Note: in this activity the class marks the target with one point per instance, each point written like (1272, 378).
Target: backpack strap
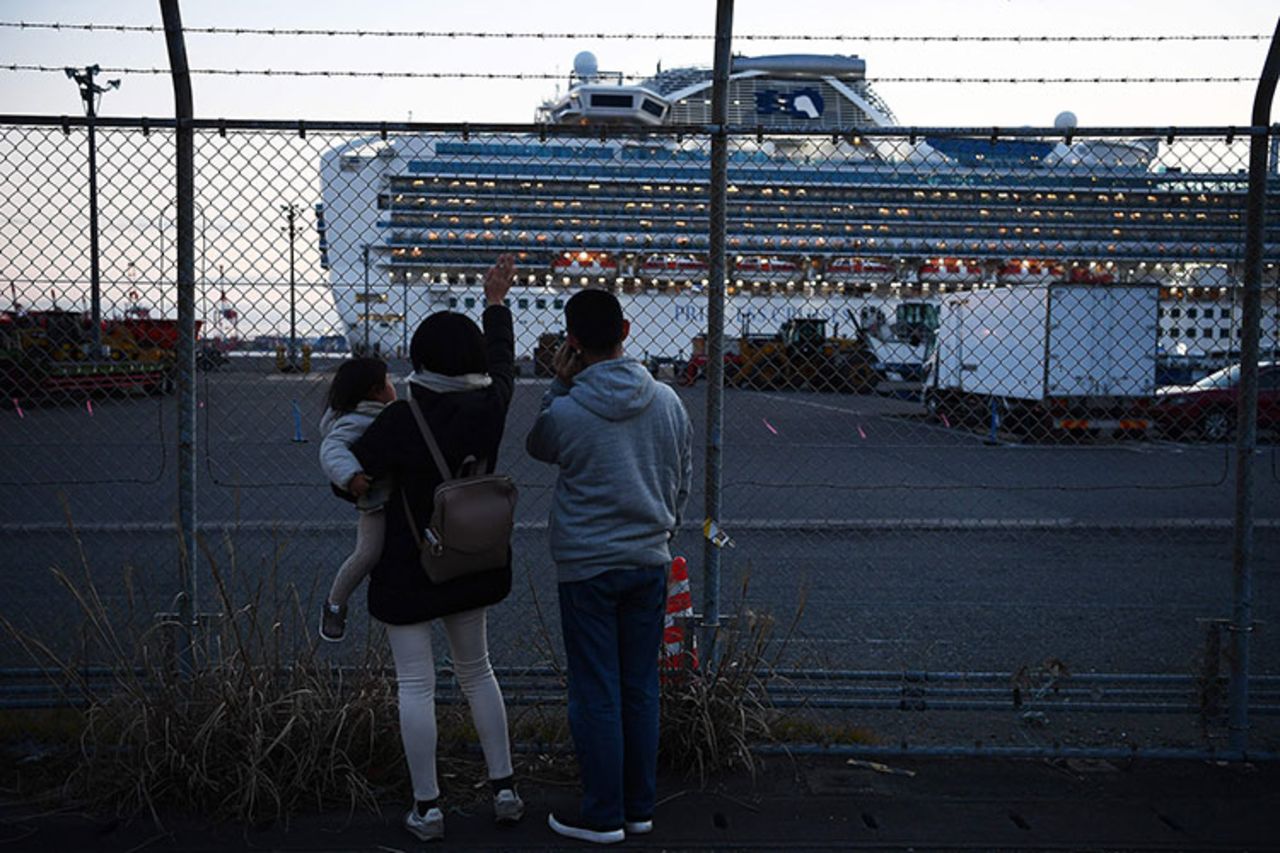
(479, 466)
(430, 438)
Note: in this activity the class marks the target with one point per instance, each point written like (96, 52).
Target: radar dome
(1065, 120)
(585, 65)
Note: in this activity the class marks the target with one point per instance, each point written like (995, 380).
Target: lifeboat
(858, 271)
(1029, 272)
(1090, 275)
(678, 268)
(766, 269)
(950, 271)
(590, 264)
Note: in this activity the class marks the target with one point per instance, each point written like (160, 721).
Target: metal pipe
(718, 205)
(1247, 417)
(980, 751)
(95, 276)
(919, 705)
(551, 130)
(184, 200)
(921, 676)
(291, 213)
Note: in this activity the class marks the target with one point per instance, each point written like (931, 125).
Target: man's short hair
(594, 317)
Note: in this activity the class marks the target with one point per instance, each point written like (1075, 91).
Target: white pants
(416, 682)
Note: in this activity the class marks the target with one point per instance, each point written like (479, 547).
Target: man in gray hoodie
(623, 445)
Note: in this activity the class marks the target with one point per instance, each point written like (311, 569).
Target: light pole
(404, 318)
(290, 211)
(131, 275)
(366, 299)
(91, 94)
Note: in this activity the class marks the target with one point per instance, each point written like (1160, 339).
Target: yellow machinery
(802, 356)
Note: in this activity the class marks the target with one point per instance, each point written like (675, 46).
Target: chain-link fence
(979, 392)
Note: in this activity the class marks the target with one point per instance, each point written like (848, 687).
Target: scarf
(442, 384)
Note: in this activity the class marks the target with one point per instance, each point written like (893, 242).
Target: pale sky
(514, 101)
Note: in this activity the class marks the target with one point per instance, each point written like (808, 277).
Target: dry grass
(239, 718)
(250, 725)
(713, 715)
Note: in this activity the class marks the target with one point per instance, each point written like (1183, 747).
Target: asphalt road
(897, 542)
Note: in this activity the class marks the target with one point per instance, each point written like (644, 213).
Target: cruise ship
(868, 231)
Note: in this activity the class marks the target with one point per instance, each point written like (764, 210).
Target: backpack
(471, 522)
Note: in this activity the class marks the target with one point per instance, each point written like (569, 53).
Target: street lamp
(290, 211)
(366, 299)
(91, 93)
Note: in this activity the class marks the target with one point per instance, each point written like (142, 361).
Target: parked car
(1207, 409)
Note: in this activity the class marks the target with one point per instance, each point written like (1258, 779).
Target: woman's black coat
(467, 423)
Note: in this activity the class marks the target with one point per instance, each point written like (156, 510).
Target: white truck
(1078, 357)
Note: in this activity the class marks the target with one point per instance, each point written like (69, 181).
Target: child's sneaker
(508, 808)
(426, 827)
(333, 621)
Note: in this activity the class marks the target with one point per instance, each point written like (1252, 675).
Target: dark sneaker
(639, 827)
(425, 827)
(508, 808)
(575, 828)
(333, 621)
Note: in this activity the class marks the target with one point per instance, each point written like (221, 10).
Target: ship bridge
(780, 92)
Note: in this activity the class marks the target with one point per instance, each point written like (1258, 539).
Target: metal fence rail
(947, 437)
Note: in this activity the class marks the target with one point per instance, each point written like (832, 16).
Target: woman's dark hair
(354, 380)
(449, 344)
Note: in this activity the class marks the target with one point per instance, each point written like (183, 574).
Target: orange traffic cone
(676, 654)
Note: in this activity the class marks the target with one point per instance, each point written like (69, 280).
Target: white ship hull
(664, 323)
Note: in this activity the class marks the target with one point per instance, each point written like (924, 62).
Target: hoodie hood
(617, 390)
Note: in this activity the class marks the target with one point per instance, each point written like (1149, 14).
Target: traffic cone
(676, 654)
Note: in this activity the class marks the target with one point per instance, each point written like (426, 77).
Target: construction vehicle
(49, 353)
(802, 356)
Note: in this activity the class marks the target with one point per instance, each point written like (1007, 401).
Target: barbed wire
(475, 34)
(521, 75)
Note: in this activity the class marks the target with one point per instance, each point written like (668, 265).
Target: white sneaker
(508, 808)
(427, 827)
(570, 829)
(639, 827)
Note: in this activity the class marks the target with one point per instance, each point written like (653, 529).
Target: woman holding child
(462, 382)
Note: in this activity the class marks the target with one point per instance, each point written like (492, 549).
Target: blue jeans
(612, 625)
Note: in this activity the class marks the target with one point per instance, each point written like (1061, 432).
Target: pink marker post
(88, 404)
(861, 433)
(768, 426)
(18, 408)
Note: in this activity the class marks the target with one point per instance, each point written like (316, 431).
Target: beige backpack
(471, 523)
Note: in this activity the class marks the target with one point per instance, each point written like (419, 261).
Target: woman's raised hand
(499, 278)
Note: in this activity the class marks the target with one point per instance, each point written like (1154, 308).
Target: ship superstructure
(827, 222)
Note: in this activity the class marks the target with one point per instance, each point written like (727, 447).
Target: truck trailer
(1040, 358)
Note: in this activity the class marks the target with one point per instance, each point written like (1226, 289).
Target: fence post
(1247, 412)
(715, 325)
(184, 188)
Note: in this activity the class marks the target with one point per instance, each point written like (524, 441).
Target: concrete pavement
(809, 803)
